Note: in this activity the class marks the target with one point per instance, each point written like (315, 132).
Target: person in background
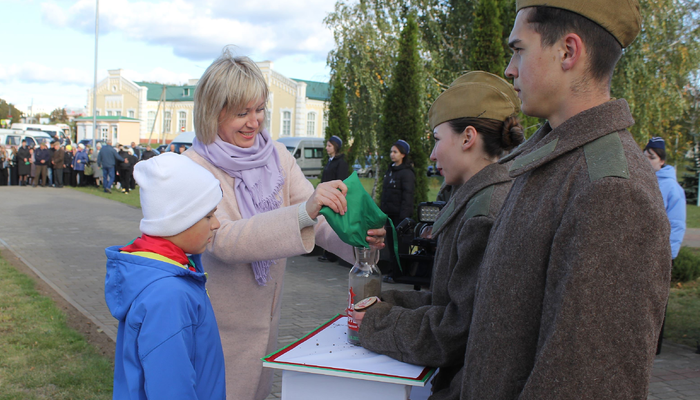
(573, 284)
(50, 166)
(68, 165)
(474, 123)
(96, 170)
(107, 160)
(23, 163)
(126, 170)
(182, 149)
(57, 160)
(32, 166)
(79, 162)
(397, 199)
(173, 149)
(148, 153)
(14, 176)
(672, 193)
(674, 200)
(137, 152)
(336, 169)
(4, 166)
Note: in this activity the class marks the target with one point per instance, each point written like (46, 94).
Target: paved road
(61, 234)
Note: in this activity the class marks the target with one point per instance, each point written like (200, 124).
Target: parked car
(308, 152)
(183, 139)
(365, 168)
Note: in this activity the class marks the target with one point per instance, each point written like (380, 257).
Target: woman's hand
(375, 238)
(331, 194)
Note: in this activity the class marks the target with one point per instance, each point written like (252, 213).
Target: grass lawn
(692, 216)
(40, 356)
(131, 199)
(682, 321)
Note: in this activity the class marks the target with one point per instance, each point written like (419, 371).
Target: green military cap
(621, 18)
(476, 94)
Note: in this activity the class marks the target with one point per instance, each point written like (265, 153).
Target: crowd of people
(58, 164)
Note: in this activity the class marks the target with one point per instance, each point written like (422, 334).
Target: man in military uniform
(573, 285)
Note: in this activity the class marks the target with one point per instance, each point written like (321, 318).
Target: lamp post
(94, 84)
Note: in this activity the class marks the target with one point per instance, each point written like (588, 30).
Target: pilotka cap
(476, 94)
(621, 18)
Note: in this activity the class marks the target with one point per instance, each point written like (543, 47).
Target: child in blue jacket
(168, 344)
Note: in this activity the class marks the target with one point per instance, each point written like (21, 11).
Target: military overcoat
(430, 328)
(573, 285)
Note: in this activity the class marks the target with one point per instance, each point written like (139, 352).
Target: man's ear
(469, 137)
(572, 51)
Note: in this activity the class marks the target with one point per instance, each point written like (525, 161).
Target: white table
(324, 365)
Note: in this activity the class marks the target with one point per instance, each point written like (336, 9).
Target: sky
(48, 46)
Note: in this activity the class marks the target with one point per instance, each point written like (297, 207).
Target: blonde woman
(269, 212)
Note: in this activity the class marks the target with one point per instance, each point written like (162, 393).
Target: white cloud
(37, 73)
(157, 75)
(198, 30)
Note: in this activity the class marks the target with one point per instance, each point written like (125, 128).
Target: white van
(308, 151)
(183, 139)
(55, 131)
(14, 137)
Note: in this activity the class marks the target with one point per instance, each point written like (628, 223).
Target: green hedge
(686, 267)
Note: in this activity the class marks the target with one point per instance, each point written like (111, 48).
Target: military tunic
(575, 278)
(430, 328)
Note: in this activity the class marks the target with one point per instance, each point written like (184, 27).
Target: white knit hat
(176, 193)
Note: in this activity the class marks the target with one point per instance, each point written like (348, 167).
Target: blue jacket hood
(128, 275)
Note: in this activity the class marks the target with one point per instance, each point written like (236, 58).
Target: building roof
(317, 90)
(314, 90)
(172, 92)
(106, 118)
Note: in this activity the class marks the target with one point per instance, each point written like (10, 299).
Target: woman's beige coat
(248, 314)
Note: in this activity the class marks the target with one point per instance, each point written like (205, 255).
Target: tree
(338, 123)
(656, 73)
(486, 42)
(365, 34)
(8, 111)
(403, 115)
(59, 116)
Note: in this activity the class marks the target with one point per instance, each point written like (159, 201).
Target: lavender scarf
(257, 179)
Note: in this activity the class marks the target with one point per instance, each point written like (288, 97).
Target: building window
(166, 121)
(325, 122)
(114, 134)
(109, 113)
(181, 121)
(268, 120)
(119, 113)
(286, 123)
(104, 132)
(311, 124)
(97, 113)
(131, 114)
(151, 120)
(186, 92)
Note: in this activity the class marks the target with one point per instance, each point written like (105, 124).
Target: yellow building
(295, 108)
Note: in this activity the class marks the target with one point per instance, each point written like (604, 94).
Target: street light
(94, 84)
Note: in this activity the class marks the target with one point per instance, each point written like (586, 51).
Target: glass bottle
(365, 280)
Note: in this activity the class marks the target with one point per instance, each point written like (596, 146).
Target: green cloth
(363, 214)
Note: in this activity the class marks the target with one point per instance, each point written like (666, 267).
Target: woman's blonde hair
(229, 83)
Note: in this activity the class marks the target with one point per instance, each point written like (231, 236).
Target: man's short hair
(604, 51)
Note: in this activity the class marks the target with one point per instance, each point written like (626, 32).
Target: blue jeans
(107, 177)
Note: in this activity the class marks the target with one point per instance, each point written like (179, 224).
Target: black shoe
(107, 190)
(322, 259)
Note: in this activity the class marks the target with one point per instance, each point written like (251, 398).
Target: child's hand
(331, 194)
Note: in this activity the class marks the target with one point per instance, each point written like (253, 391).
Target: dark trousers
(78, 178)
(125, 179)
(4, 174)
(66, 175)
(42, 173)
(58, 177)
